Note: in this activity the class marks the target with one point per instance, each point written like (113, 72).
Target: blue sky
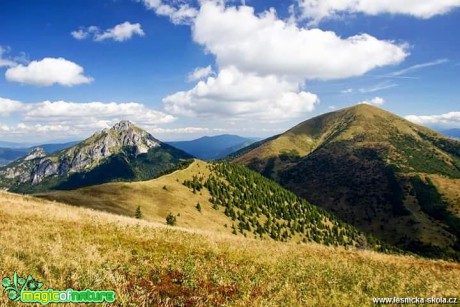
(183, 69)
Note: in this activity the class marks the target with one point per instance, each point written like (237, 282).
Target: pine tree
(138, 214)
(198, 207)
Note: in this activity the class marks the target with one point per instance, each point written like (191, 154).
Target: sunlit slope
(371, 168)
(157, 198)
(231, 198)
(148, 264)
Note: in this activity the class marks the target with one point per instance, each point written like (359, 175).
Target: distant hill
(123, 152)
(14, 144)
(375, 170)
(151, 264)
(213, 147)
(453, 133)
(9, 154)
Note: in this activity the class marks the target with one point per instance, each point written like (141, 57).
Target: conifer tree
(138, 213)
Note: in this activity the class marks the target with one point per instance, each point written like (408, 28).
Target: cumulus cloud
(118, 33)
(316, 10)
(264, 63)
(451, 119)
(8, 106)
(79, 34)
(376, 101)
(68, 111)
(47, 72)
(64, 119)
(268, 45)
(200, 73)
(121, 32)
(179, 13)
(237, 95)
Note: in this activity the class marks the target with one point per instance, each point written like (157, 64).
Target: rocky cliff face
(37, 165)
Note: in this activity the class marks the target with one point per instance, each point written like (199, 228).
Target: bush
(171, 220)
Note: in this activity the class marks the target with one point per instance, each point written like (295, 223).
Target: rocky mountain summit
(35, 153)
(124, 140)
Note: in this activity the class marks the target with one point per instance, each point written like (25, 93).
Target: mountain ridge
(362, 164)
(116, 153)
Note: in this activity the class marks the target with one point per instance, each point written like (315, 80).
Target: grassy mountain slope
(150, 264)
(157, 198)
(232, 198)
(358, 163)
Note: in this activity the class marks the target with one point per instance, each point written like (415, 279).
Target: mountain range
(205, 148)
(453, 133)
(214, 147)
(15, 151)
(375, 170)
(397, 183)
(123, 152)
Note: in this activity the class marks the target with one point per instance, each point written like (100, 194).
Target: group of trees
(262, 208)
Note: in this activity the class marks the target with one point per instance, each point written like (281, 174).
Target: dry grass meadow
(149, 264)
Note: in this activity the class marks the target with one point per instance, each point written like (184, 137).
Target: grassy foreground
(149, 264)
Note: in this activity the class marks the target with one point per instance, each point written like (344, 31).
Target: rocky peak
(123, 125)
(35, 153)
(84, 156)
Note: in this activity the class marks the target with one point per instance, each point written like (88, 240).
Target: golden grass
(149, 264)
(157, 198)
(450, 190)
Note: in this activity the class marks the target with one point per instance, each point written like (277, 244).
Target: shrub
(171, 220)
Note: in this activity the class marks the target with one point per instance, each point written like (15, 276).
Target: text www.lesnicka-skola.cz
(414, 300)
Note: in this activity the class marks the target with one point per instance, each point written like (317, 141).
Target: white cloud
(62, 119)
(376, 101)
(263, 63)
(317, 10)
(179, 14)
(417, 67)
(47, 72)
(79, 34)
(5, 62)
(268, 45)
(8, 106)
(68, 111)
(378, 87)
(236, 95)
(451, 119)
(183, 130)
(118, 33)
(121, 32)
(347, 91)
(200, 73)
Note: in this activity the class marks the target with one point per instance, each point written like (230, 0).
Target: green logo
(27, 290)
